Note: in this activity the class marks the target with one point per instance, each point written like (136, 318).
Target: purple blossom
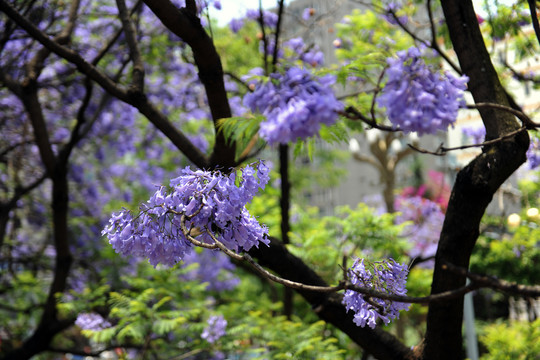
(295, 103)
(270, 19)
(211, 201)
(214, 268)
(236, 24)
(308, 13)
(391, 17)
(92, 321)
(270, 46)
(533, 154)
(385, 276)
(426, 220)
(310, 55)
(215, 328)
(417, 98)
(476, 134)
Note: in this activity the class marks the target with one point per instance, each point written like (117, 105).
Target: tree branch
(475, 184)
(141, 103)
(137, 81)
(186, 25)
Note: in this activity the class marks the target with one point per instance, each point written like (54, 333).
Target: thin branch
(434, 45)
(497, 284)
(353, 114)
(238, 80)
(276, 35)
(525, 120)
(264, 38)
(146, 108)
(477, 281)
(520, 76)
(441, 150)
(63, 51)
(528, 124)
(137, 81)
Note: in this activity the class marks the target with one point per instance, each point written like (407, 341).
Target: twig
(525, 120)
(441, 150)
(477, 281)
(137, 81)
(353, 114)
(494, 283)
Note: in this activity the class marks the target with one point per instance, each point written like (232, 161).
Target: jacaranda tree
(142, 215)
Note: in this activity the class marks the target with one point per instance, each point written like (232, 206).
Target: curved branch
(185, 24)
(475, 184)
(146, 108)
(137, 82)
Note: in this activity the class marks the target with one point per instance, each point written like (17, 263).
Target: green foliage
(240, 51)
(510, 256)
(352, 232)
(511, 340)
(262, 335)
(366, 42)
(242, 131)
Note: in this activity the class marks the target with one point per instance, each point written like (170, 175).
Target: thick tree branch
(534, 18)
(475, 184)
(185, 24)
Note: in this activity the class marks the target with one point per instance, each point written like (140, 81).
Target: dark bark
(475, 184)
(327, 306)
(49, 324)
(185, 24)
(285, 204)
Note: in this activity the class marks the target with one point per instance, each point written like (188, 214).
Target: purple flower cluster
(417, 98)
(215, 328)
(390, 14)
(214, 268)
(476, 134)
(387, 277)
(533, 153)
(210, 201)
(426, 220)
(295, 103)
(92, 321)
(308, 13)
(310, 55)
(269, 18)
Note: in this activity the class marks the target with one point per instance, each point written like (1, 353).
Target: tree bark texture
(475, 184)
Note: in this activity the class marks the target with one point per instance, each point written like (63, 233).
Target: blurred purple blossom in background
(387, 277)
(310, 55)
(391, 16)
(236, 24)
(295, 103)
(426, 219)
(308, 13)
(533, 153)
(91, 321)
(269, 18)
(214, 268)
(475, 134)
(417, 98)
(215, 328)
